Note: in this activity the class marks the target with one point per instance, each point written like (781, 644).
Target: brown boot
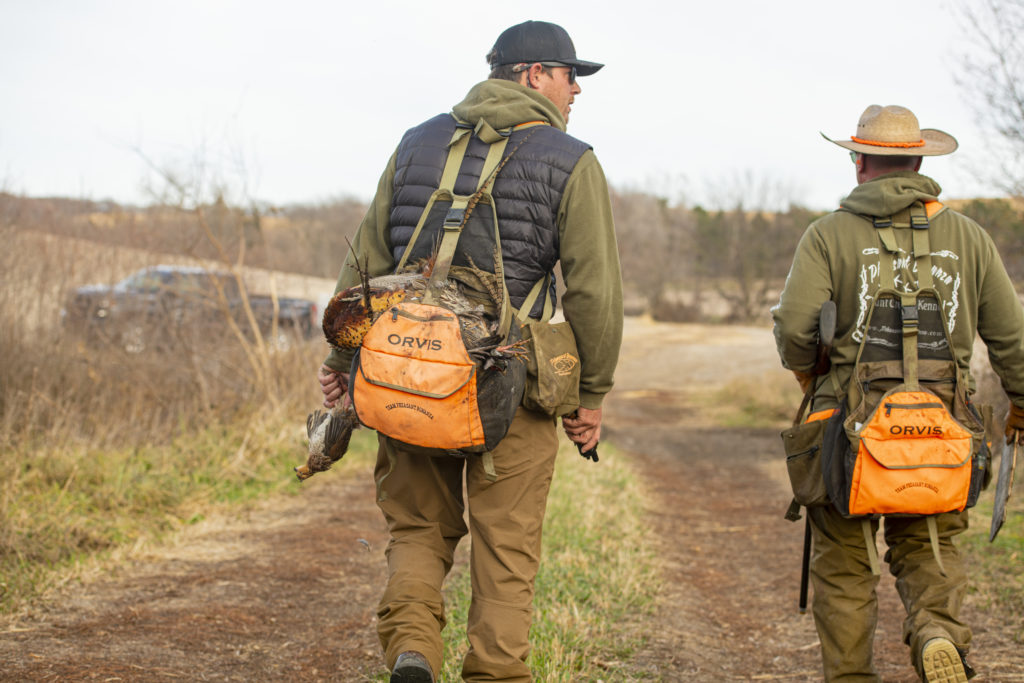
(411, 667)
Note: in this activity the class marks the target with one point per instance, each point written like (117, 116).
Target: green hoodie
(592, 302)
(838, 259)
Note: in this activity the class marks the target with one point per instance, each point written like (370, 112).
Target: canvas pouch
(552, 369)
(803, 446)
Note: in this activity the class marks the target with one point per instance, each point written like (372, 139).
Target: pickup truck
(165, 306)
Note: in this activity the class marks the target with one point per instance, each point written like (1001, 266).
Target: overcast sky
(305, 101)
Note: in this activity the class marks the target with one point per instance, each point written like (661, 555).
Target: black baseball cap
(538, 41)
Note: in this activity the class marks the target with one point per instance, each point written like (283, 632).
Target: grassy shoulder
(84, 509)
(996, 584)
(65, 512)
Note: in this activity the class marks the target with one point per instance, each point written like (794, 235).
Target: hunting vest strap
(494, 154)
(869, 544)
(920, 257)
(933, 538)
(523, 314)
(457, 147)
(459, 212)
(456, 153)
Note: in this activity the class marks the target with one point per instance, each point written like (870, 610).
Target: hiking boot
(941, 662)
(412, 667)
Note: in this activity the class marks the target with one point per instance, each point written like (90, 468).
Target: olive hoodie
(838, 259)
(592, 302)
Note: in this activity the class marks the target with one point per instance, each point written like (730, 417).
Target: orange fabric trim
(531, 123)
(876, 143)
(821, 415)
(932, 208)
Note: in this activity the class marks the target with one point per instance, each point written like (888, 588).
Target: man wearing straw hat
(839, 259)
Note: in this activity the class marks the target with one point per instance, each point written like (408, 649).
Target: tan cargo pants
(844, 606)
(422, 500)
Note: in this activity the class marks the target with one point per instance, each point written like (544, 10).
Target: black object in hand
(591, 454)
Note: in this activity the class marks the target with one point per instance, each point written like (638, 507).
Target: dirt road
(261, 597)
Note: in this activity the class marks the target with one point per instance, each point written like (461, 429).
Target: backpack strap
(869, 545)
(540, 288)
(921, 258)
(462, 208)
(457, 146)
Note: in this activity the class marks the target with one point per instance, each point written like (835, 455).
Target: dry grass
(100, 447)
(769, 400)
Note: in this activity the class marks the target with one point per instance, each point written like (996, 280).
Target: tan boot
(941, 662)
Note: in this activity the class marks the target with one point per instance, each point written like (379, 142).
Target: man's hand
(334, 385)
(584, 428)
(1015, 425)
(806, 380)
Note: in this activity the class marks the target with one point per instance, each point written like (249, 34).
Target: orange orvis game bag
(429, 396)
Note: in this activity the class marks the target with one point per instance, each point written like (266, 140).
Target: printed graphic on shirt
(945, 280)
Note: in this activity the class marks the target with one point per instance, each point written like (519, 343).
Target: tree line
(679, 263)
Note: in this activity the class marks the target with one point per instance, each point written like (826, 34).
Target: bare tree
(992, 79)
(654, 249)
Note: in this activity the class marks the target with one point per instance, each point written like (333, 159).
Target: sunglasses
(572, 70)
(853, 156)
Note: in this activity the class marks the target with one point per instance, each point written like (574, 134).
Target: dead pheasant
(350, 313)
(329, 433)
(474, 295)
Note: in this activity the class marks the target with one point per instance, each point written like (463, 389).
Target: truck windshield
(148, 281)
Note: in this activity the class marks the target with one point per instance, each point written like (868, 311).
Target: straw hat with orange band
(894, 131)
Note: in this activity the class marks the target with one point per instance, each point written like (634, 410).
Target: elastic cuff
(339, 362)
(590, 401)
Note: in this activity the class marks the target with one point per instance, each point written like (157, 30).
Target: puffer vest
(527, 193)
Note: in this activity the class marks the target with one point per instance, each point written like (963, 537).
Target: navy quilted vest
(527, 193)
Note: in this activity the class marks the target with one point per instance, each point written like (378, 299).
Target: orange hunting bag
(913, 457)
(416, 382)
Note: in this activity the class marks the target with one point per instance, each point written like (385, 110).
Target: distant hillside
(309, 240)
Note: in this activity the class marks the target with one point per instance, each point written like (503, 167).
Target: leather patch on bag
(564, 364)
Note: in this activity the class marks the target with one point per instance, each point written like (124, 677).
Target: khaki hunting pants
(422, 500)
(844, 605)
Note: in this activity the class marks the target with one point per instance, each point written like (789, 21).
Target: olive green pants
(421, 497)
(845, 607)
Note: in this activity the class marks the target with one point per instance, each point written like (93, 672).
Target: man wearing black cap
(552, 204)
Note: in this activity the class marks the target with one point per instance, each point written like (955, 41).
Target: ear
(862, 168)
(533, 75)
(917, 166)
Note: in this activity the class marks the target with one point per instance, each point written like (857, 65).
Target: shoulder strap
(540, 288)
(921, 255)
(457, 146)
(462, 208)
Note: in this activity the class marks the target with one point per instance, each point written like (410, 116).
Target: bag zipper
(910, 406)
(395, 312)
